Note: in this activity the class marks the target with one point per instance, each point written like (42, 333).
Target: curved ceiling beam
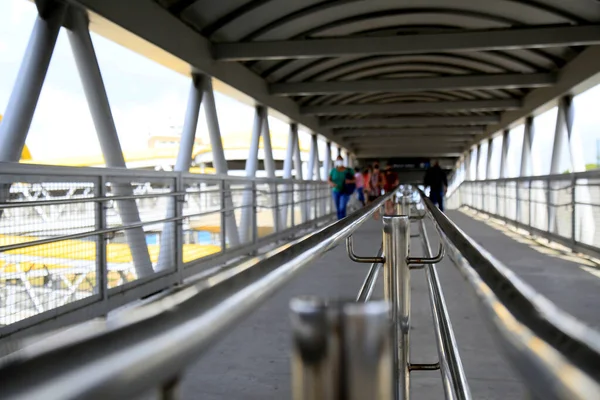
(414, 85)
(524, 66)
(501, 39)
(355, 97)
(413, 108)
(370, 132)
(410, 121)
(246, 8)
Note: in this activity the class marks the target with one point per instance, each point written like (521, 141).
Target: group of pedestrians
(369, 183)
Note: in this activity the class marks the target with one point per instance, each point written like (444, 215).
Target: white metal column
(219, 161)
(298, 168)
(270, 168)
(28, 85)
(248, 217)
(488, 163)
(97, 99)
(526, 168)
(182, 164)
(327, 162)
(478, 163)
(504, 155)
(287, 174)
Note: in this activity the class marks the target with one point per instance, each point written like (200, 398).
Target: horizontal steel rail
(153, 347)
(542, 341)
(511, 199)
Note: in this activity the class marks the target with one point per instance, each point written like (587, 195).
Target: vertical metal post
(477, 163)
(101, 262)
(30, 79)
(171, 390)
(287, 173)
(178, 225)
(526, 160)
(251, 167)
(218, 154)
(573, 205)
(254, 213)
(298, 168)
(222, 215)
(95, 93)
(182, 164)
(270, 168)
(327, 162)
(312, 157)
(504, 154)
(341, 350)
(396, 236)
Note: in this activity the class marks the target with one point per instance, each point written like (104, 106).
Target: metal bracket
(433, 260)
(424, 367)
(417, 217)
(358, 259)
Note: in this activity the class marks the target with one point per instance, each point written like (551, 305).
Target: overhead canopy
(383, 77)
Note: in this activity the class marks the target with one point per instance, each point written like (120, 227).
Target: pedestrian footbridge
(223, 274)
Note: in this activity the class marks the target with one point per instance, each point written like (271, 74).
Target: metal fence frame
(533, 203)
(105, 298)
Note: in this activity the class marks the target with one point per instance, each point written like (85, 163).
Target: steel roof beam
(467, 130)
(383, 140)
(499, 81)
(400, 152)
(413, 107)
(505, 39)
(411, 121)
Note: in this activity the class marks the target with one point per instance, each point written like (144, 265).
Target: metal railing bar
(523, 316)
(454, 378)
(138, 354)
(366, 290)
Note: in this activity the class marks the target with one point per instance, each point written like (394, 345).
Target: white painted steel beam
(219, 161)
(97, 99)
(582, 73)
(526, 168)
(28, 84)
(411, 121)
(504, 39)
(499, 81)
(287, 173)
(177, 46)
(399, 153)
(413, 107)
(504, 154)
(461, 131)
(247, 220)
(167, 252)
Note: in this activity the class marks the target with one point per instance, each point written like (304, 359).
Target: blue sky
(148, 98)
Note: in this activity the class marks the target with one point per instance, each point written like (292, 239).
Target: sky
(147, 98)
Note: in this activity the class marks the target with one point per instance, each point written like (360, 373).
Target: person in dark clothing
(437, 181)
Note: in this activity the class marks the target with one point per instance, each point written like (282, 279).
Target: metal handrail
(454, 379)
(542, 341)
(153, 346)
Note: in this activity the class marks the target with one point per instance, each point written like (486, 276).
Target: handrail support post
(396, 237)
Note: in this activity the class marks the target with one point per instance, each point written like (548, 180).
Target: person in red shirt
(391, 182)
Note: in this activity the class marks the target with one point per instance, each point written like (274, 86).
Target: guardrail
(563, 208)
(557, 355)
(78, 242)
(340, 347)
(152, 346)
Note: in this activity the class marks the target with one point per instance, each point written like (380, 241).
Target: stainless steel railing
(79, 242)
(341, 349)
(562, 208)
(152, 346)
(557, 355)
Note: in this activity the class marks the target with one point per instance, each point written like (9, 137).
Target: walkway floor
(252, 361)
